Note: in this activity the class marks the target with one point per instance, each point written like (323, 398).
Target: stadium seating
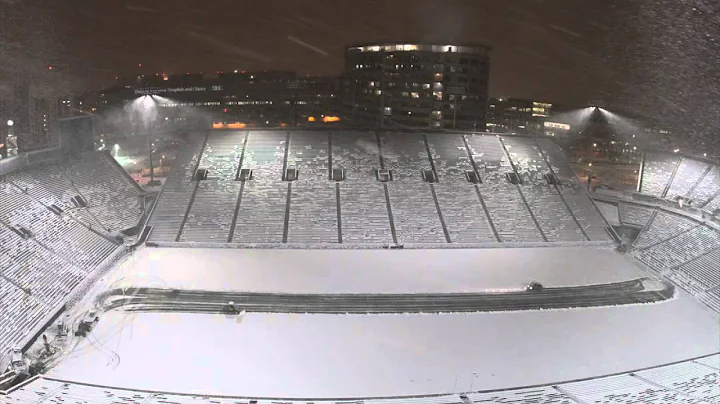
(692, 381)
(428, 197)
(362, 198)
(688, 173)
(684, 251)
(21, 312)
(45, 253)
(708, 187)
(113, 199)
(113, 202)
(663, 226)
(261, 216)
(704, 269)
(174, 198)
(711, 298)
(313, 215)
(624, 389)
(545, 201)
(575, 196)
(508, 211)
(669, 176)
(414, 212)
(212, 209)
(62, 235)
(657, 172)
(634, 215)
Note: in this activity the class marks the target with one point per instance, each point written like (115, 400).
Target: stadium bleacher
(44, 253)
(663, 226)
(684, 251)
(212, 209)
(688, 173)
(508, 211)
(113, 201)
(670, 177)
(582, 207)
(427, 198)
(545, 200)
(171, 205)
(313, 216)
(261, 214)
(692, 381)
(658, 170)
(364, 211)
(634, 215)
(21, 313)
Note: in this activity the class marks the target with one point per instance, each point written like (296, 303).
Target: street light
(10, 122)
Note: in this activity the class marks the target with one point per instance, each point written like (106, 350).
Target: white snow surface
(370, 271)
(293, 355)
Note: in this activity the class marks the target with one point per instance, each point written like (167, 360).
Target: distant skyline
(652, 57)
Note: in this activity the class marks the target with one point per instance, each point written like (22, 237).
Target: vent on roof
(291, 174)
(513, 178)
(79, 201)
(246, 174)
(338, 174)
(201, 174)
(383, 175)
(472, 177)
(552, 179)
(429, 176)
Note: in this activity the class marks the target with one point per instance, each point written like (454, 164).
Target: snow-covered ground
(339, 356)
(370, 271)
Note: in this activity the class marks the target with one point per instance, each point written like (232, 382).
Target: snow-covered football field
(290, 355)
(371, 271)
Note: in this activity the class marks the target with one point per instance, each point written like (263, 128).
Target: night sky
(651, 57)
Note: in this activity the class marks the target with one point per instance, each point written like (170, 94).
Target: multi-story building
(514, 115)
(263, 98)
(417, 85)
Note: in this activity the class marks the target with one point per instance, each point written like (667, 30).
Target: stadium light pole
(148, 101)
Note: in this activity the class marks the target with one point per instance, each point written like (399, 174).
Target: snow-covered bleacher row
(692, 381)
(684, 251)
(171, 205)
(114, 202)
(634, 215)
(430, 198)
(670, 177)
(48, 244)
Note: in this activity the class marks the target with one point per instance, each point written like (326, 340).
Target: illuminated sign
(145, 91)
(557, 125)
